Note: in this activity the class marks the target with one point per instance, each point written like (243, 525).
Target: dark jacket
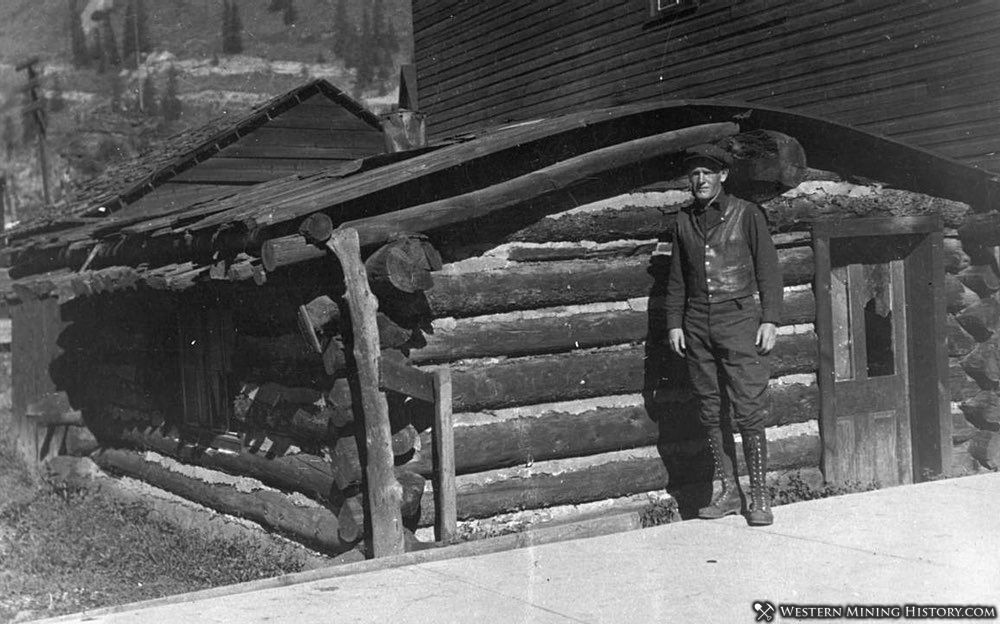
(720, 253)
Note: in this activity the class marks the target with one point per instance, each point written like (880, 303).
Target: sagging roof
(123, 184)
(224, 236)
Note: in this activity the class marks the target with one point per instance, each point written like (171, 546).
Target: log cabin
(469, 329)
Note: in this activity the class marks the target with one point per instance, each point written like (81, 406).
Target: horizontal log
(308, 474)
(396, 266)
(584, 374)
(982, 279)
(524, 334)
(397, 375)
(569, 283)
(983, 410)
(839, 201)
(985, 449)
(504, 195)
(983, 363)
(960, 385)
(957, 295)
(981, 319)
(612, 475)
(493, 443)
(784, 213)
(53, 409)
(313, 525)
(955, 258)
(301, 413)
(980, 230)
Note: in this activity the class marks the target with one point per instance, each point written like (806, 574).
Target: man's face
(706, 183)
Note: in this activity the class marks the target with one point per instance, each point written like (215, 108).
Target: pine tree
(342, 31)
(170, 105)
(378, 43)
(129, 43)
(57, 102)
(149, 95)
(135, 31)
(236, 29)
(227, 28)
(78, 40)
(9, 136)
(290, 15)
(29, 130)
(364, 55)
(116, 92)
(108, 40)
(232, 28)
(97, 52)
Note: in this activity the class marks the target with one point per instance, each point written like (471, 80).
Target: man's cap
(709, 155)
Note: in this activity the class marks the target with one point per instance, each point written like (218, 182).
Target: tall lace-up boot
(727, 501)
(759, 505)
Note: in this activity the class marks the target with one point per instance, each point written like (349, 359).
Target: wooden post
(446, 509)
(35, 328)
(384, 493)
(36, 109)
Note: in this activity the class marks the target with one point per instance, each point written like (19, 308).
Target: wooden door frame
(930, 416)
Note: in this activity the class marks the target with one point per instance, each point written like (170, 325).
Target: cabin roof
(180, 244)
(124, 183)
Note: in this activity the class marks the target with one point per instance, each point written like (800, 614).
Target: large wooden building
(922, 72)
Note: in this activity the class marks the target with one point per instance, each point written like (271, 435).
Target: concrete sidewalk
(931, 544)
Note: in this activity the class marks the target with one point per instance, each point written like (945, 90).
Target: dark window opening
(878, 320)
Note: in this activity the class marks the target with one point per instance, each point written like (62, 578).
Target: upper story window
(661, 8)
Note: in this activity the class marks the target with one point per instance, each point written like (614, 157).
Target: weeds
(659, 512)
(65, 548)
(795, 489)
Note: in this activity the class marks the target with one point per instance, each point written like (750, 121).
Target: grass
(66, 548)
(795, 489)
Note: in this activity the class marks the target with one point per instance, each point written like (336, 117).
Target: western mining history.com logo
(767, 611)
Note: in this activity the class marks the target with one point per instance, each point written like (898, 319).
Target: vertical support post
(383, 492)
(443, 436)
(35, 328)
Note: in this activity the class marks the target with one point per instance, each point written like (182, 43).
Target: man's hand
(767, 333)
(676, 339)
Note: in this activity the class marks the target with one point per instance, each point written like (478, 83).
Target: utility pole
(35, 107)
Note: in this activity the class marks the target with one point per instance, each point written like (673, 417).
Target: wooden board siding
(921, 72)
(314, 135)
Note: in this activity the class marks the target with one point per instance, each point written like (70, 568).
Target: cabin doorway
(884, 413)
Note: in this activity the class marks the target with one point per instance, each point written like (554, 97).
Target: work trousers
(722, 357)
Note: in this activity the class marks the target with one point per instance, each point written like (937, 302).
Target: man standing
(722, 255)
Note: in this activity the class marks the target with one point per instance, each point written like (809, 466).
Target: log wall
(564, 392)
(920, 72)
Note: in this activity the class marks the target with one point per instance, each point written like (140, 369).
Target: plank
(305, 137)
(443, 443)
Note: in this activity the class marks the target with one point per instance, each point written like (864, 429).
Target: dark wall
(918, 71)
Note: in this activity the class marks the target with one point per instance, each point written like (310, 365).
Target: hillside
(93, 109)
